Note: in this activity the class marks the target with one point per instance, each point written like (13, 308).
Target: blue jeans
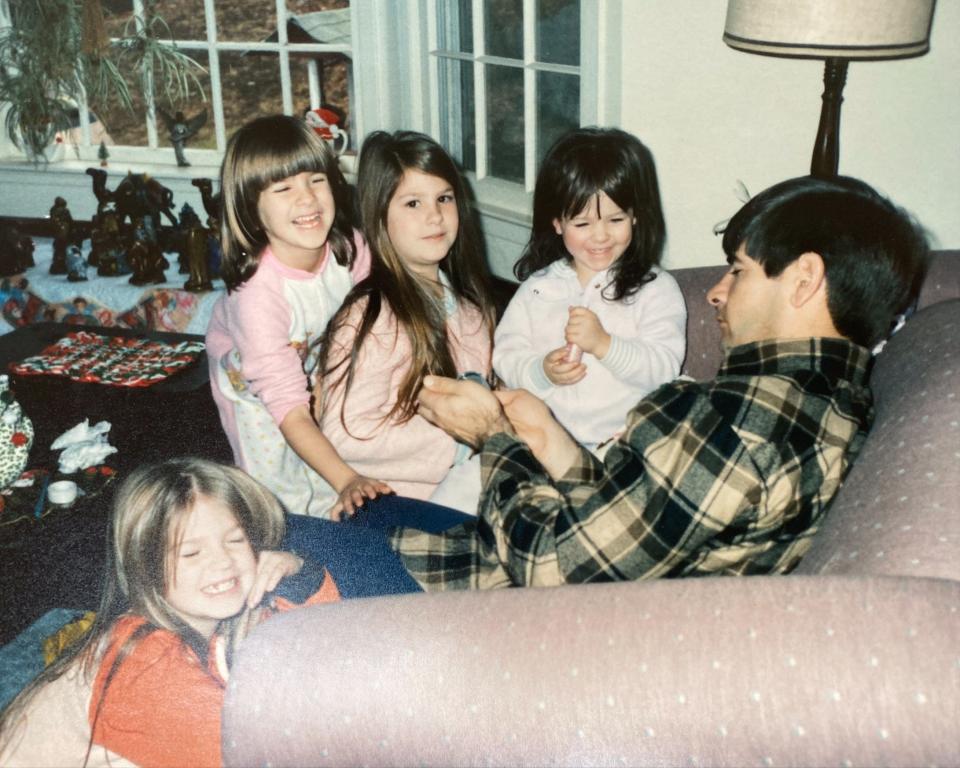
(357, 551)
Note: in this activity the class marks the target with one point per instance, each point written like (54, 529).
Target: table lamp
(836, 31)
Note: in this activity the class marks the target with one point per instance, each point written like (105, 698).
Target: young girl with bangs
(290, 256)
(426, 308)
(191, 565)
(595, 324)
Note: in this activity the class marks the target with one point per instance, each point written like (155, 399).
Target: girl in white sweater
(596, 324)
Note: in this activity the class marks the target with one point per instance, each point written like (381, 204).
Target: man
(730, 476)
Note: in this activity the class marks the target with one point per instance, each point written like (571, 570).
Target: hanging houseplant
(56, 55)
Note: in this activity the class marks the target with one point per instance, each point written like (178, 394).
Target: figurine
(16, 435)
(16, 251)
(62, 231)
(76, 264)
(211, 204)
(195, 252)
(146, 260)
(180, 129)
(103, 154)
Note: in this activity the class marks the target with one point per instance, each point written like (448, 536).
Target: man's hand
(561, 371)
(586, 331)
(463, 409)
(535, 425)
(272, 566)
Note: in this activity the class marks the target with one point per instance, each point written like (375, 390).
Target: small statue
(195, 252)
(76, 264)
(211, 204)
(103, 154)
(104, 234)
(16, 251)
(62, 233)
(146, 260)
(180, 129)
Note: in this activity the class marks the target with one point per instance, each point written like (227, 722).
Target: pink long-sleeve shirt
(257, 343)
(412, 457)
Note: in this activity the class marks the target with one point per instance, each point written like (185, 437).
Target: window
(505, 79)
(257, 57)
(508, 78)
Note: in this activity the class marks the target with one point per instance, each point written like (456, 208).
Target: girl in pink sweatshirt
(426, 308)
(290, 256)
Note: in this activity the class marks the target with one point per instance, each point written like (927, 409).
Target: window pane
(333, 73)
(558, 108)
(505, 122)
(503, 28)
(251, 84)
(184, 18)
(248, 20)
(454, 26)
(457, 100)
(558, 31)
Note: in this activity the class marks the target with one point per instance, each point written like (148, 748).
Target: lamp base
(826, 148)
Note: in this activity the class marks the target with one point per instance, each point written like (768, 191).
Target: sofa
(853, 659)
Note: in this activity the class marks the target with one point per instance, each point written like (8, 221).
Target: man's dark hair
(874, 253)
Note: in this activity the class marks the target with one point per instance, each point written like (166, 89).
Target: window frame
(599, 104)
(155, 155)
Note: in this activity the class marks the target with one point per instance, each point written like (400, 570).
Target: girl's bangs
(591, 179)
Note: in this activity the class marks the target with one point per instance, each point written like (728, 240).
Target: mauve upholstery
(852, 660)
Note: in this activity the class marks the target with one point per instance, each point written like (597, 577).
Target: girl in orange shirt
(192, 557)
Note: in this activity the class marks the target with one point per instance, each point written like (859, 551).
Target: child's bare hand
(272, 566)
(355, 492)
(586, 331)
(560, 371)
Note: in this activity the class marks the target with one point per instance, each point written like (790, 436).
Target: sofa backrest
(897, 512)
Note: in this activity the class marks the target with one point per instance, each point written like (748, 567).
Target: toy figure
(196, 254)
(146, 260)
(16, 251)
(62, 232)
(104, 235)
(180, 129)
(76, 264)
(211, 204)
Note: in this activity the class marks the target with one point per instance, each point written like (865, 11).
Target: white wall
(712, 115)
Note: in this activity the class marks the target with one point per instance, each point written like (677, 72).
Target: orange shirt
(162, 707)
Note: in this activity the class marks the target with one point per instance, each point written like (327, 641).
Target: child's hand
(353, 494)
(585, 330)
(561, 371)
(272, 566)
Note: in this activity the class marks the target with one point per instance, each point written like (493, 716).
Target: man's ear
(809, 277)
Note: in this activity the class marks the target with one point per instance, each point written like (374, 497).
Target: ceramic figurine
(16, 251)
(62, 233)
(146, 261)
(211, 204)
(16, 436)
(179, 129)
(195, 246)
(76, 264)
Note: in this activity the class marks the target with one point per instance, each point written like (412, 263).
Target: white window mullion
(529, 94)
(285, 87)
(152, 141)
(213, 66)
(433, 71)
(479, 90)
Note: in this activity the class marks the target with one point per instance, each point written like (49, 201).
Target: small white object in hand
(83, 446)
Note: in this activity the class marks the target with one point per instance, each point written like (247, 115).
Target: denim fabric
(357, 552)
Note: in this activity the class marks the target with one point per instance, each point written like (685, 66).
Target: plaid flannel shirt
(729, 476)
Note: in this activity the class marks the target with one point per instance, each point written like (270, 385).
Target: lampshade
(849, 29)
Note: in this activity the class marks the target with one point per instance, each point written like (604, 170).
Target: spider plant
(48, 64)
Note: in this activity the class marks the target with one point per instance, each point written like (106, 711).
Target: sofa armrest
(751, 671)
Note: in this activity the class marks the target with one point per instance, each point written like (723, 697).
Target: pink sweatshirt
(415, 456)
(259, 336)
